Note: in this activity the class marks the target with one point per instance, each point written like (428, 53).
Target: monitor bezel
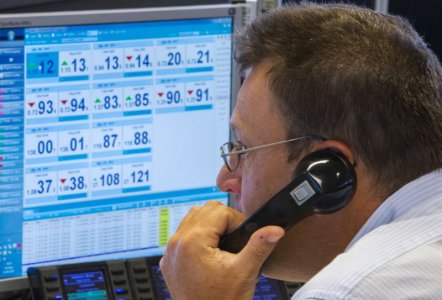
(107, 16)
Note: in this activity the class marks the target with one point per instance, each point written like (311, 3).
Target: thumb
(259, 247)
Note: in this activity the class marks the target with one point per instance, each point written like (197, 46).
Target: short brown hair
(355, 75)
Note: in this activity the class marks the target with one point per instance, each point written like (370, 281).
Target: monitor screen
(110, 127)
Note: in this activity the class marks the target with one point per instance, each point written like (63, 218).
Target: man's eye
(240, 146)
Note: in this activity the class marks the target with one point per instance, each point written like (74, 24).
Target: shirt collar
(420, 197)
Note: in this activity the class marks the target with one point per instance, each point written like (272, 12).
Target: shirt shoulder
(395, 260)
(414, 275)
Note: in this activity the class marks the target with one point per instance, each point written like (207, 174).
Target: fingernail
(273, 238)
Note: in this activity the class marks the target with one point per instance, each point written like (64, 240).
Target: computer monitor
(110, 127)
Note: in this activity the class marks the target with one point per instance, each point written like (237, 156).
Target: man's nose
(229, 182)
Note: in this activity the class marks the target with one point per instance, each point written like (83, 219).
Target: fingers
(213, 216)
(193, 266)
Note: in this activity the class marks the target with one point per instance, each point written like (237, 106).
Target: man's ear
(339, 146)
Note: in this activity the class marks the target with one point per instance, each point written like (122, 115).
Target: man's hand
(195, 268)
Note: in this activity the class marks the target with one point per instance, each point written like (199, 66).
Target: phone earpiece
(334, 176)
(324, 182)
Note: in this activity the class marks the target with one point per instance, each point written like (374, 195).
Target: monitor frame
(108, 16)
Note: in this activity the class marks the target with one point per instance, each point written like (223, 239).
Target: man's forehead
(248, 99)
(235, 123)
(239, 110)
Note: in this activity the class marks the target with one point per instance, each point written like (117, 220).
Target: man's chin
(272, 267)
(277, 269)
(269, 269)
(283, 266)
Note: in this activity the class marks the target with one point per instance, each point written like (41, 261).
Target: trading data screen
(109, 133)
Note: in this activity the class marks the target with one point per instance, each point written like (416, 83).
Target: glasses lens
(231, 160)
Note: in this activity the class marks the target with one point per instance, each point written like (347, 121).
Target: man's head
(360, 77)
(363, 80)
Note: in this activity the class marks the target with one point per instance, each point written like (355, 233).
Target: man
(368, 84)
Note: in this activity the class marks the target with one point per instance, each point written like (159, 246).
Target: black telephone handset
(324, 182)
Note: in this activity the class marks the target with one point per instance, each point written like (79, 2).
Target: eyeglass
(231, 152)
